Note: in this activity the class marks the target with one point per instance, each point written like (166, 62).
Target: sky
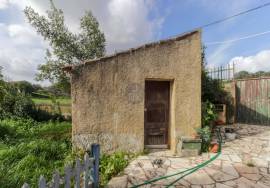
(129, 23)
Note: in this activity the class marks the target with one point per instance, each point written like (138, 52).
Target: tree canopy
(1, 75)
(246, 74)
(66, 48)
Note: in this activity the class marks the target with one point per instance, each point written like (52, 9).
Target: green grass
(29, 149)
(63, 101)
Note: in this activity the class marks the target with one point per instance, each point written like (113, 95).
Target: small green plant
(209, 114)
(111, 165)
(205, 135)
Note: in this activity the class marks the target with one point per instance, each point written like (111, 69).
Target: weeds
(29, 149)
(112, 165)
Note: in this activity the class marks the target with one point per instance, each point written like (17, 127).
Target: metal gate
(253, 101)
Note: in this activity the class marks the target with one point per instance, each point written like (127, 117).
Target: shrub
(205, 135)
(209, 114)
(23, 106)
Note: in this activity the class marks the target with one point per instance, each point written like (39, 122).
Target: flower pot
(214, 148)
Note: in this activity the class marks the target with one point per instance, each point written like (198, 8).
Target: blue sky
(128, 23)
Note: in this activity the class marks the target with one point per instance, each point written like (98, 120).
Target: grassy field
(29, 149)
(62, 101)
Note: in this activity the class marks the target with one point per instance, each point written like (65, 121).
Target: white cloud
(21, 51)
(3, 4)
(126, 23)
(258, 62)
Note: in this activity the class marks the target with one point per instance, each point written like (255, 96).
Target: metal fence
(223, 73)
(84, 174)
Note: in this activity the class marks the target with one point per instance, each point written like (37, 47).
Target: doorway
(156, 114)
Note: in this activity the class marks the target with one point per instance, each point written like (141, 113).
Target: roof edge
(181, 36)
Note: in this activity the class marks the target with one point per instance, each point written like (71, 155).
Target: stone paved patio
(244, 163)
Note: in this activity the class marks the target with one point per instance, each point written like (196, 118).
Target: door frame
(171, 116)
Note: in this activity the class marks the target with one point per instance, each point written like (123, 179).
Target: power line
(237, 39)
(235, 15)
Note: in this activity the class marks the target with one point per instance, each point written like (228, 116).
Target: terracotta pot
(214, 148)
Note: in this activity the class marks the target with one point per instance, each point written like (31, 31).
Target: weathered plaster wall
(108, 94)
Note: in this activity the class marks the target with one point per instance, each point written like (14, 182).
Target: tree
(1, 75)
(246, 74)
(242, 74)
(67, 48)
(24, 87)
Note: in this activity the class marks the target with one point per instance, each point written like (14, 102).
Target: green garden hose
(189, 171)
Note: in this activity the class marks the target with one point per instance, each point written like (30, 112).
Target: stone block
(118, 182)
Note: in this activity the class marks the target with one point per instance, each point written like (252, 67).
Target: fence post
(95, 149)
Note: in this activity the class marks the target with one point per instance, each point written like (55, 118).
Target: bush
(23, 106)
(14, 103)
(205, 135)
(209, 114)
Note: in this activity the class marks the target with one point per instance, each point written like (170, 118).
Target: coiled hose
(185, 172)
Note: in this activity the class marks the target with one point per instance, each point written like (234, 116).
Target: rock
(199, 178)
(243, 169)
(230, 183)
(261, 185)
(229, 169)
(220, 185)
(219, 176)
(209, 186)
(196, 186)
(118, 182)
(235, 158)
(245, 183)
(253, 177)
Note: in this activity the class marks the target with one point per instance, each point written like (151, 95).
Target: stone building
(145, 97)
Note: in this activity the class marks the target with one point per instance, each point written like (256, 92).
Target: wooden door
(156, 112)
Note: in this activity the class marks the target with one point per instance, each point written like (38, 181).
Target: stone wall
(108, 93)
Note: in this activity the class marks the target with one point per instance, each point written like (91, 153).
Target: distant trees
(1, 75)
(67, 48)
(12, 101)
(246, 74)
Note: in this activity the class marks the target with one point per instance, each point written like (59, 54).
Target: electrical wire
(235, 15)
(237, 39)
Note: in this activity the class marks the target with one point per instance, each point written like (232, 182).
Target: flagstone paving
(244, 163)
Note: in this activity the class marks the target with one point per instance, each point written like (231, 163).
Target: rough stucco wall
(108, 95)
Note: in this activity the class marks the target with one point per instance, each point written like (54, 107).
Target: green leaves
(205, 135)
(209, 114)
(111, 165)
(66, 48)
(29, 149)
